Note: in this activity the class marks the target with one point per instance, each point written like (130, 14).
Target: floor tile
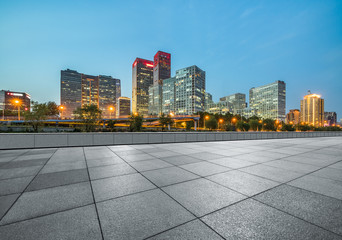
(114, 187)
(252, 220)
(167, 176)
(193, 230)
(140, 215)
(243, 182)
(207, 156)
(56, 179)
(46, 201)
(110, 171)
(14, 185)
(24, 163)
(104, 161)
(204, 168)
(331, 173)
(65, 166)
(202, 196)
(232, 162)
(19, 172)
(77, 224)
(181, 160)
(314, 208)
(6, 202)
(328, 187)
(149, 165)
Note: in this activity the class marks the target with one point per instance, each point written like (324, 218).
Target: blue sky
(240, 44)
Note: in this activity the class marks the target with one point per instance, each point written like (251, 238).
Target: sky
(240, 44)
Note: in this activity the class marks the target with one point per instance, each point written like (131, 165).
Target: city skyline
(235, 56)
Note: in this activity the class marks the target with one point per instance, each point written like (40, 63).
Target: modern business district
(181, 185)
(183, 98)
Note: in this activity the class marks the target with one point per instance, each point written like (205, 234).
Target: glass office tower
(269, 101)
(142, 79)
(190, 90)
(169, 95)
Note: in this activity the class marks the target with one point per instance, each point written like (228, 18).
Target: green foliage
(53, 109)
(189, 125)
(304, 127)
(242, 126)
(165, 120)
(269, 125)
(229, 127)
(255, 125)
(111, 125)
(90, 116)
(136, 123)
(287, 127)
(38, 113)
(211, 123)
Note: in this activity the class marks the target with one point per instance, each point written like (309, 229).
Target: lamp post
(61, 108)
(17, 103)
(220, 121)
(205, 118)
(110, 112)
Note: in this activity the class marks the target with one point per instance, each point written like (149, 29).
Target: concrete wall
(39, 140)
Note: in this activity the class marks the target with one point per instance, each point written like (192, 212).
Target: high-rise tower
(142, 79)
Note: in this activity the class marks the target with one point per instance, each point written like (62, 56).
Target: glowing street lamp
(205, 118)
(220, 121)
(111, 109)
(61, 108)
(172, 114)
(17, 103)
(233, 120)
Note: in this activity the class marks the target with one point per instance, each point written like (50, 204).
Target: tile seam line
(177, 203)
(27, 186)
(92, 193)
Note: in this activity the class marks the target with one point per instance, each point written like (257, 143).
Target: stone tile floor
(261, 189)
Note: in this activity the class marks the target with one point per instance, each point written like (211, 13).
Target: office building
(142, 79)
(330, 118)
(208, 100)
(78, 90)
(161, 67)
(10, 101)
(312, 110)
(190, 90)
(155, 97)
(293, 117)
(221, 107)
(269, 101)
(169, 95)
(238, 101)
(123, 107)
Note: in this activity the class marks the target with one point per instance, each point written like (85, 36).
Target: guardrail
(42, 140)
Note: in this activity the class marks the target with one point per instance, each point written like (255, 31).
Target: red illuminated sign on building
(147, 63)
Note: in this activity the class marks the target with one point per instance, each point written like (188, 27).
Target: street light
(17, 103)
(220, 121)
(110, 111)
(234, 120)
(205, 118)
(61, 108)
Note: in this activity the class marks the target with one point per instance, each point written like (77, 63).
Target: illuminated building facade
(123, 107)
(312, 110)
(161, 67)
(169, 95)
(269, 101)
(79, 89)
(238, 101)
(208, 100)
(155, 97)
(293, 117)
(190, 91)
(11, 100)
(142, 79)
(330, 118)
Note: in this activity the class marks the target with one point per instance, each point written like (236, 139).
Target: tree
(189, 125)
(255, 125)
(287, 127)
(165, 120)
(90, 116)
(111, 125)
(211, 123)
(269, 125)
(38, 113)
(53, 109)
(242, 126)
(135, 123)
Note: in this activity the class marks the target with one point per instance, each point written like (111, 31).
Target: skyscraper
(169, 95)
(142, 79)
(161, 67)
(268, 101)
(312, 110)
(330, 118)
(79, 89)
(123, 107)
(190, 90)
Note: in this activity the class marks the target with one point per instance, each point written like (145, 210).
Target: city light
(17, 103)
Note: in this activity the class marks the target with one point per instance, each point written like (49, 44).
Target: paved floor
(262, 189)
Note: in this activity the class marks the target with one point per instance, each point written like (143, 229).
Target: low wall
(40, 140)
